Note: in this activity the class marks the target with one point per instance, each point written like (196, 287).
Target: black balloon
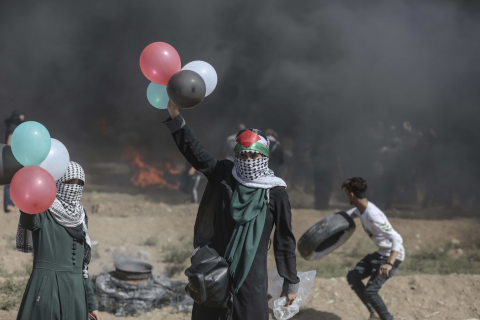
(186, 89)
(8, 164)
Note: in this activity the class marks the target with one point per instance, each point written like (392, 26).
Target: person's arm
(32, 222)
(384, 227)
(91, 303)
(188, 144)
(9, 140)
(284, 243)
(385, 269)
(352, 213)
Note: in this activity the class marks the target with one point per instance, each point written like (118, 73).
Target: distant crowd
(404, 165)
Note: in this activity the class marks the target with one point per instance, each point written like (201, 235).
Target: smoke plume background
(313, 70)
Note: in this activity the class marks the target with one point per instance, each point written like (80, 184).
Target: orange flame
(146, 175)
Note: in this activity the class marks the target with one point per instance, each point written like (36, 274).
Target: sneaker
(373, 316)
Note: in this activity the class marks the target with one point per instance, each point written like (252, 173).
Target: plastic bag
(277, 304)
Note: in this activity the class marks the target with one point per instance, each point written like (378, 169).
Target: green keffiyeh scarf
(249, 210)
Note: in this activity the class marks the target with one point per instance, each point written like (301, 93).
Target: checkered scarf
(67, 210)
(255, 173)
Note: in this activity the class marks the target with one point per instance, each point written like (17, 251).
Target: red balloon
(33, 189)
(159, 62)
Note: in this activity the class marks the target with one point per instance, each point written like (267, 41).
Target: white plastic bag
(277, 304)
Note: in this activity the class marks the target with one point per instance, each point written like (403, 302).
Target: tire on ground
(326, 236)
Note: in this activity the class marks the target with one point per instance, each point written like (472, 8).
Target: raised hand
(172, 109)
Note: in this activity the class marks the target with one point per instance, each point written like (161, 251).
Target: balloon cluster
(31, 166)
(186, 86)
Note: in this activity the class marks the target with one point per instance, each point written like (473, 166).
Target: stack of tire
(325, 236)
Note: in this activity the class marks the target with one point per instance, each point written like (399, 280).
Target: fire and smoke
(145, 175)
(318, 72)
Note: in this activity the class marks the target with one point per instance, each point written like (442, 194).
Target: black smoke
(315, 71)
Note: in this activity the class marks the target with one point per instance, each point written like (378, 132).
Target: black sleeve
(284, 241)
(190, 147)
(32, 222)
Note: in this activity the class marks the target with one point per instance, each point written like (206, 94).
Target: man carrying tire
(380, 265)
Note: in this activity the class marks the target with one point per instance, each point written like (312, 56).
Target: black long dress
(214, 225)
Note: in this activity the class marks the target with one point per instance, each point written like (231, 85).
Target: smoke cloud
(316, 72)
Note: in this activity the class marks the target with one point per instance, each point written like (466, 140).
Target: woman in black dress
(240, 205)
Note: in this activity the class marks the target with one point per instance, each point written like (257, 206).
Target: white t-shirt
(379, 229)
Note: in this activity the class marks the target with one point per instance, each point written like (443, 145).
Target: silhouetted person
(428, 167)
(410, 161)
(11, 123)
(391, 158)
(324, 164)
(190, 180)
(276, 152)
(227, 151)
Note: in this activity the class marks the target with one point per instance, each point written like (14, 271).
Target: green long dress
(56, 289)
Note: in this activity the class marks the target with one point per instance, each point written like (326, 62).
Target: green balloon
(31, 143)
(157, 95)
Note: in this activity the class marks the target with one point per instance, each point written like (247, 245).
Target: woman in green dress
(59, 286)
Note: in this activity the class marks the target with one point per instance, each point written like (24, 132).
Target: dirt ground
(122, 223)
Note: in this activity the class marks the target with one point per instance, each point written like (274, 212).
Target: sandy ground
(122, 222)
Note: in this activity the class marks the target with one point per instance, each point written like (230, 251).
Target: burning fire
(146, 175)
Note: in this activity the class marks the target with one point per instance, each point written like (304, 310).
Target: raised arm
(188, 144)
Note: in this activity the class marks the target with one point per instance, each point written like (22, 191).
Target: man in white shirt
(380, 265)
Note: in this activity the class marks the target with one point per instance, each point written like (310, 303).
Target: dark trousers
(7, 199)
(370, 267)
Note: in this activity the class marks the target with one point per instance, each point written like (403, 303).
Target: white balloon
(206, 71)
(57, 160)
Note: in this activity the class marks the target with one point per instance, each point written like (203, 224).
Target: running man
(381, 265)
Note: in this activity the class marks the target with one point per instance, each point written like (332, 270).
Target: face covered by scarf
(249, 202)
(254, 173)
(68, 211)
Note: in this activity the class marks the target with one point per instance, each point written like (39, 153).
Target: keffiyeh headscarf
(249, 203)
(254, 173)
(68, 211)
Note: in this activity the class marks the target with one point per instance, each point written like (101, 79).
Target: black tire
(325, 236)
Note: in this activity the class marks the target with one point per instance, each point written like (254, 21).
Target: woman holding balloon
(59, 286)
(47, 187)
